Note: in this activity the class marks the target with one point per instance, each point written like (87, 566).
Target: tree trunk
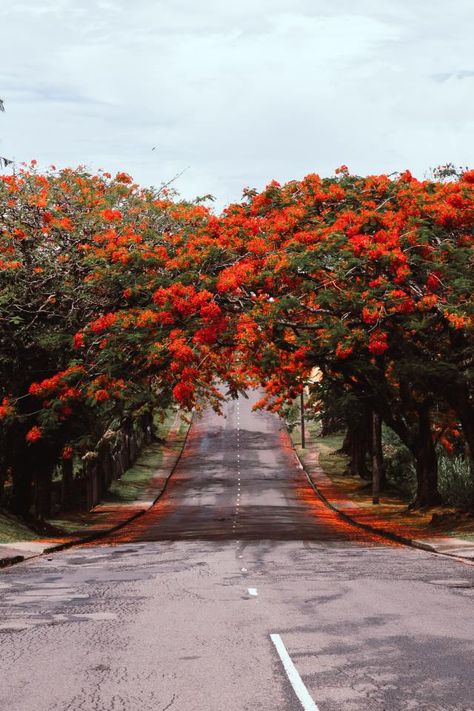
(22, 478)
(105, 464)
(3, 478)
(378, 473)
(127, 430)
(356, 446)
(302, 421)
(426, 463)
(347, 442)
(67, 484)
(43, 489)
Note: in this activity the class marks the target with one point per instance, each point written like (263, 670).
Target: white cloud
(239, 92)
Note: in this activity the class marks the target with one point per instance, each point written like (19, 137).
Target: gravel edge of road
(8, 562)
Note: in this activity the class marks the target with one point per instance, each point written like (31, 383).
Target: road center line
(292, 673)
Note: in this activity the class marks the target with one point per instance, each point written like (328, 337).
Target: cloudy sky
(237, 93)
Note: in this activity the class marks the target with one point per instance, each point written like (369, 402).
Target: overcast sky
(237, 93)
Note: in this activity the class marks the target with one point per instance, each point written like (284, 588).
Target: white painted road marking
(253, 591)
(292, 673)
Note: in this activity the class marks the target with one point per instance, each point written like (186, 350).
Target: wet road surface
(177, 611)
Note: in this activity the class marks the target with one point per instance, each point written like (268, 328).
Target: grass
(12, 529)
(134, 482)
(393, 505)
(136, 479)
(123, 491)
(333, 463)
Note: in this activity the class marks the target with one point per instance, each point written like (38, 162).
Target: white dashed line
(292, 673)
(237, 505)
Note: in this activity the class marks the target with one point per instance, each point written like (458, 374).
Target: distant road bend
(239, 590)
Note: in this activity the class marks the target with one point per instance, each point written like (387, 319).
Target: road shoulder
(390, 518)
(130, 498)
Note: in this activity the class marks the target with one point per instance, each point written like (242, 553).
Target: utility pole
(303, 433)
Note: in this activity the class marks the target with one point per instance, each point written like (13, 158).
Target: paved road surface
(176, 612)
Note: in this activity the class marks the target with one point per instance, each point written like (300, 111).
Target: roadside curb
(397, 538)
(8, 562)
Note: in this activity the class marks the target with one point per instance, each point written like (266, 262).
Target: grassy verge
(136, 480)
(131, 485)
(441, 520)
(123, 491)
(12, 529)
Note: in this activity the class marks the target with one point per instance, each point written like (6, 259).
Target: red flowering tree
(369, 279)
(115, 300)
(100, 316)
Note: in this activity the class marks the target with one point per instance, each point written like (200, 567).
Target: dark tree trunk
(347, 442)
(22, 489)
(356, 446)
(67, 485)
(105, 464)
(3, 478)
(127, 430)
(378, 470)
(148, 427)
(426, 462)
(43, 468)
(22, 475)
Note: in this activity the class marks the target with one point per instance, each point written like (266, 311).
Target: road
(194, 606)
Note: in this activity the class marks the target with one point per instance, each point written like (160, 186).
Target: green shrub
(456, 481)
(399, 464)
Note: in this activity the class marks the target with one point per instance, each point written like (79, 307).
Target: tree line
(117, 301)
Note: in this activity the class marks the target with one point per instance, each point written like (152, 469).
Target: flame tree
(115, 299)
(102, 314)
(370, 280)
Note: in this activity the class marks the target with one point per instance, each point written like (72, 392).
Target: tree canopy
(115, 298)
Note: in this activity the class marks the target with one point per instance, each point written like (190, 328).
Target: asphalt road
(195, 606)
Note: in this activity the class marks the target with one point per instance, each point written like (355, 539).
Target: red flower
(370, 316)
(183, 392)
(468, 176)
(67, 452)
(433, 282)
(103, 322)
(378, 343)
(343, 351)
(78, 340)
(111, 215)
(34, 434)
(6, 409)
(210, 311)
(123, 178)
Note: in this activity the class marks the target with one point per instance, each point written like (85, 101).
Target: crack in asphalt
(170, 703)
